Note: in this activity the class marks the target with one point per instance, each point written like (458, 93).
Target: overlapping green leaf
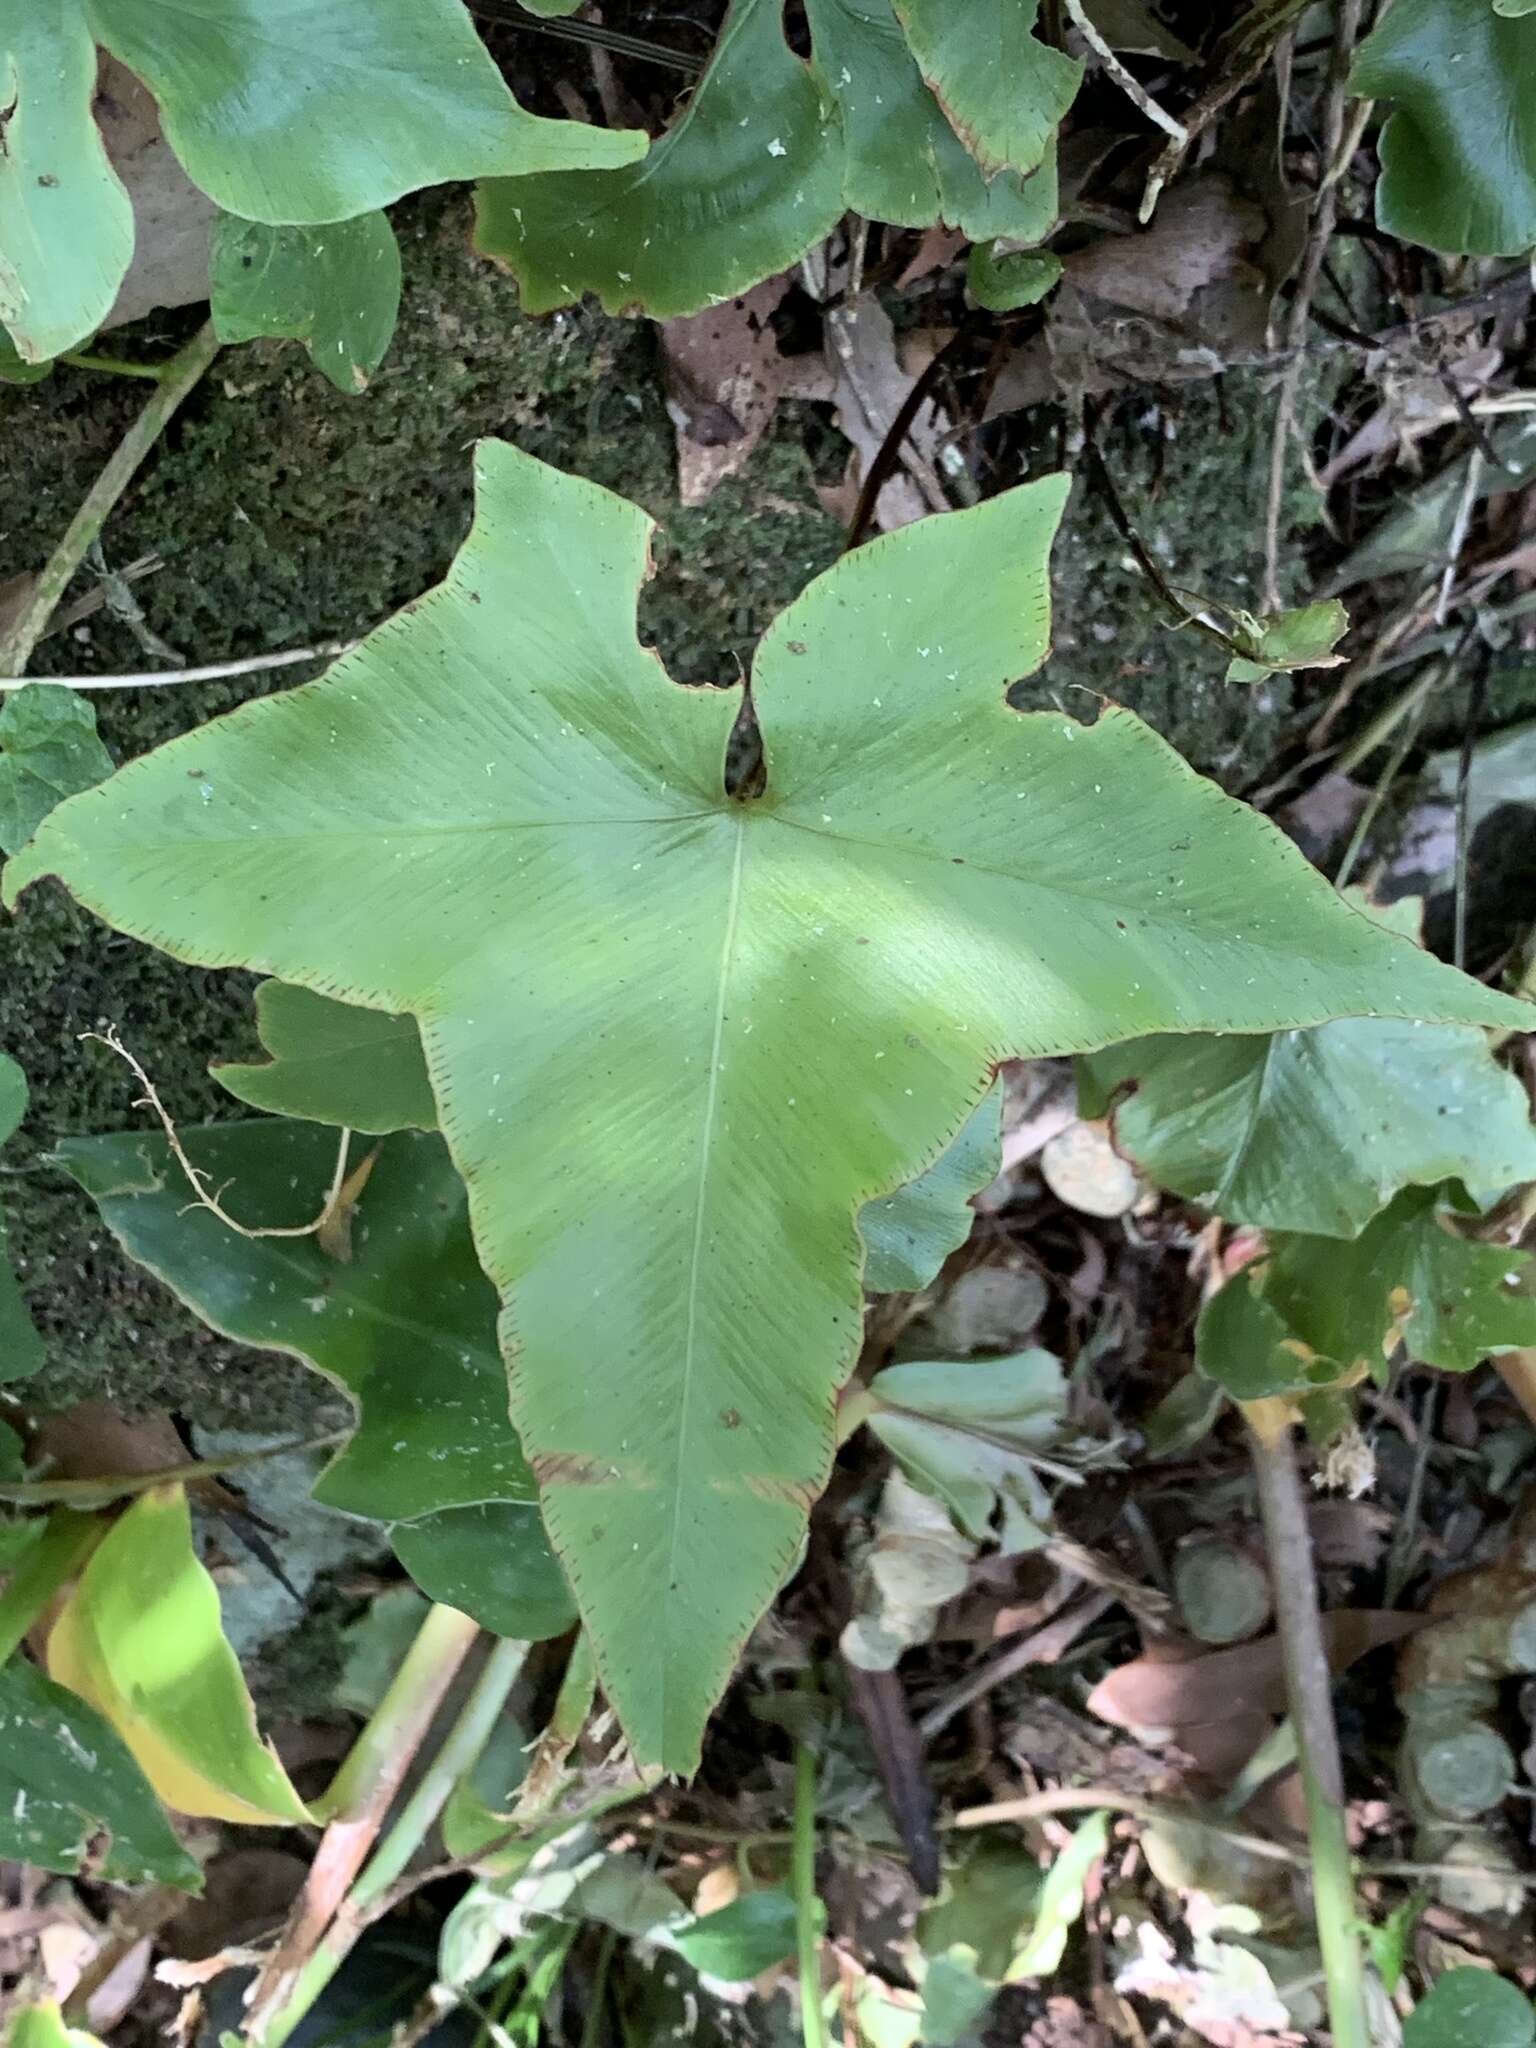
(1458, 154)
(43, 2026)
(68, 1780)
(1005, 91)
(293, 112)
(297, 112)
(1315, 1130)
(48, 750)
(492, 1562)
(747, 178)
(408, 1326)
(1471, 2008)
(21, 1349)
(905, 162)
(1005, 280)
(679, 1040)
(140, 1637)
(909, 1234)
(334, 1063)
(1324, 1310)
(972, 1434)
(334, 288)
(66, 222)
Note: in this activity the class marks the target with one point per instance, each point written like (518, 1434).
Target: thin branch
(1319, 234)
(1130, 85)
(360, 1797)
(211, 671)
(207, 1197)
(181, 374)
(1309, 1695)
(1463, 791)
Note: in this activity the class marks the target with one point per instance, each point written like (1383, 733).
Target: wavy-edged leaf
(1322, 1311)
(141, 1639)
(334, 1063)
(909, 1234)
(66, 222)
(1471, 2008)
(295, 113)
(905, 163)
(1458, 154)
(678, 1041)
(407, 1326)
(1005, 280)
(21, 1349)
(744, 181)
(1316, 1130)
(970, 1433)
(334, 288)
(492, 1562)
(68, 1780)
(1453, 1302)
(1004, 91)
(49, 750)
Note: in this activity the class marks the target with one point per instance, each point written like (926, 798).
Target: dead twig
(180, 376)
(1319, 234)
(209, 672)
(1128, 83)
(197, 1180)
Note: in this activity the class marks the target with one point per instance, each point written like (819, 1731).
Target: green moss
(286, 513)
(1193, 481)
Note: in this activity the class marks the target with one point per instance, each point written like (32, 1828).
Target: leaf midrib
(696, 1256)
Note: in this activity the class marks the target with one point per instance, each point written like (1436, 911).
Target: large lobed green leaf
(292, 112)
(1458, 154)
(677, 1040)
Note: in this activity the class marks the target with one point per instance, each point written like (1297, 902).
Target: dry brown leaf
(725, 377)
(172, 219)
(1247, 1679)
(94, 1440)
(871, 383)
(334, 1235)
(1201, 231)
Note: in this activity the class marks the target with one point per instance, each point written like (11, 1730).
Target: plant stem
(114, 366)
(361, 1795)
(1283, 1510)
(51, 1563)
(181, 374)
(813, 2030)
(460, 1749)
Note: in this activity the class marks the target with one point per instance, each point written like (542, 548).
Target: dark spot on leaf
(731, 1417)
(795, 646)
(47, 178)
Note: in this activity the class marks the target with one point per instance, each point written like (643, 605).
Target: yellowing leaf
(141, 1639)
